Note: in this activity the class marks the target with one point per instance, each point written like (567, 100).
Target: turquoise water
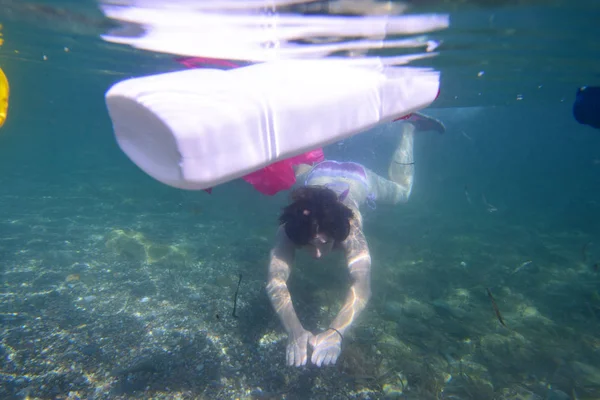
(115, 286)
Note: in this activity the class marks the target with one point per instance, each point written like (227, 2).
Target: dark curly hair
(315, 209)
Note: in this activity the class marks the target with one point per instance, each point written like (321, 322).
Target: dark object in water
(144, 365)
(596, 267)
(235, 296)
(586, 108)
(496, 310)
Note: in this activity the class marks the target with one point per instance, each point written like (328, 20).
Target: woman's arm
(327, 346)
(282, 257)
(359, 266)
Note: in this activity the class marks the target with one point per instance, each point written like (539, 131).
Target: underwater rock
(516, 392)
(416, 309)
(554, 394)
(471, 378)
(157, 251)
(127, 245)
(395, 390)
(589, 375)
(410, 308)
(175, 255)
(394, 346)
(47, 278)
(392, 309)
(445, 308)
(80, 267)
(531, 314)
(495, 346)
(135, 247)
(91, 350)
(459, 302)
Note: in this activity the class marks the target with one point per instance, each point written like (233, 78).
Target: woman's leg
(401, 171)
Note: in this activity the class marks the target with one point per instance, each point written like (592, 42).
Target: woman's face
(320, 245)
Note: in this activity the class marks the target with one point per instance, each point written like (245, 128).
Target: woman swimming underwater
(324, 215)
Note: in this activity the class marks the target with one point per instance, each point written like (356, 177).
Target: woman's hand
(327, 347)
(297, 347)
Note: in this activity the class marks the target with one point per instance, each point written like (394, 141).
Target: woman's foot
(425, 123)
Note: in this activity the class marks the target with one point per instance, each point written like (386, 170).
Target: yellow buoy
(4, 92)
